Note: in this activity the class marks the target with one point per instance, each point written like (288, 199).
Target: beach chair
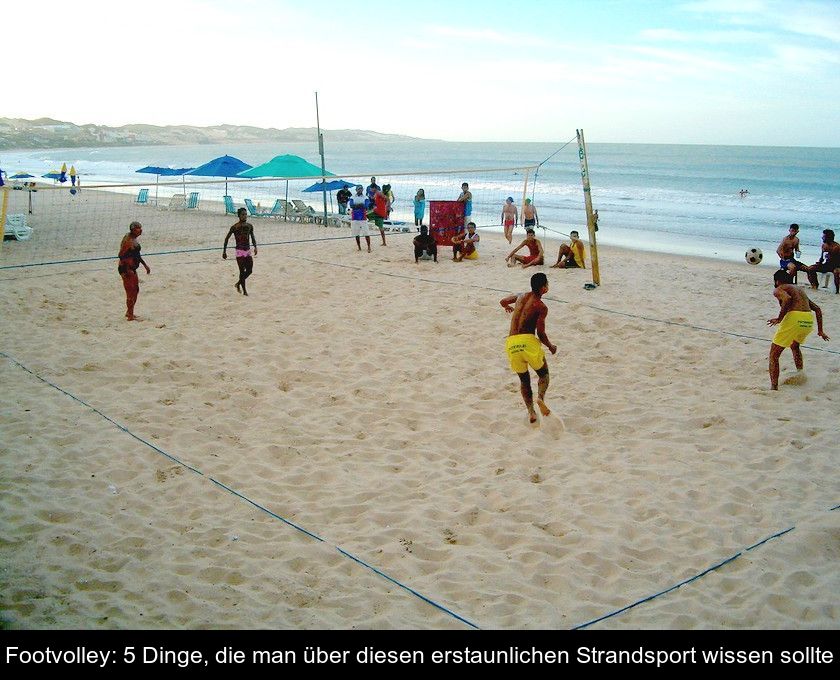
(253, 211)
(304, 212)
(277, 211)
(142, 197)
(230, 208)
(289, 212)
(177, 202)
(16, 228)
(192, 201)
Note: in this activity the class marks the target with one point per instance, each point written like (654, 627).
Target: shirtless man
(535, 254)
(130, 261)
(795, 322)
(463, 245)
(786, 250)
(522, 346)
(828, 263)
(241, 231)
(529, 214)
(510, 218)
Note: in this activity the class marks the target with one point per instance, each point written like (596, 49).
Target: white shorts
(359, 228)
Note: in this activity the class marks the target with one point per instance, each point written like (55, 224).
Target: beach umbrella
(21, 175)
(159, 172)
(286, 167)
(223, 166)
(329, 186)
(54, 174)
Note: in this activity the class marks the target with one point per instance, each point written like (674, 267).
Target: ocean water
(681, 199)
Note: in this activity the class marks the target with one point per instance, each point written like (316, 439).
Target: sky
(751, 72)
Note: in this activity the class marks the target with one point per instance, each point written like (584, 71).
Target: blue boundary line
(554, 299)
(236, 493)
(715, 567)
(435, 281)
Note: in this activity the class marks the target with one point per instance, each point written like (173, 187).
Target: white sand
(368, 400)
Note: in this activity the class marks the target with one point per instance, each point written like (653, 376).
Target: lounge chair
(16, 228)
(305, 212)
(142, 197)
(278, 210)
(177, 202)
(253, 211)
(192, 201)
(230, 208)
(289, 212)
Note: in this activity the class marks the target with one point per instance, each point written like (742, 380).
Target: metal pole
(590, 217)
(323, 165)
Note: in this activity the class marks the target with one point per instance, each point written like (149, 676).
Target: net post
(524, 196)
(4, 205)
(590, 216)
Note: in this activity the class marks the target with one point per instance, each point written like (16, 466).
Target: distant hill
(46, 133)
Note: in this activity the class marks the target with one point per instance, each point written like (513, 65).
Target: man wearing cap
(529, 214)
(510, 218)
(358, 205)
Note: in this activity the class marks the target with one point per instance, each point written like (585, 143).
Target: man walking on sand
(510, 218)
(523, 347)
(795, 321)
(243, 235)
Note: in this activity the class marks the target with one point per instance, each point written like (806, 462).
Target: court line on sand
(233, 492)
(355, 559)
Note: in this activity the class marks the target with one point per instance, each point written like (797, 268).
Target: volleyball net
(70, 224)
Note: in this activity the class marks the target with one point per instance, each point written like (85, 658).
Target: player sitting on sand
(571, 256)
(522, 346)
(795, 322)
(425, 247)
(535, 251)
(463, 245)
(241, 231)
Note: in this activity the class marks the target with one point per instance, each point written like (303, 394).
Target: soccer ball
(753, 256)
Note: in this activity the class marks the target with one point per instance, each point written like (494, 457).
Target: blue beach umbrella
(21, 175)
(223, 166)
(159, 172)
(329, 186)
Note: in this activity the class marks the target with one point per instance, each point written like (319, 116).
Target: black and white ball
(753, 255)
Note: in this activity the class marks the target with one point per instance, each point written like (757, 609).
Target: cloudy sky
(763, 72)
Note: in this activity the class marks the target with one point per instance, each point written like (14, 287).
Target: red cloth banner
(446, 218)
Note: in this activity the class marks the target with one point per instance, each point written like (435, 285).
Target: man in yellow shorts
(795, 321)
(523, 347)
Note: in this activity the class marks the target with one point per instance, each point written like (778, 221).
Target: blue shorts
(783, 264)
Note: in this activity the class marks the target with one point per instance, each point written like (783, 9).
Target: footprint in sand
(795, 379)
(162, 475)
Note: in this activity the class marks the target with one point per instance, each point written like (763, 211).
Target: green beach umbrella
(286, 167)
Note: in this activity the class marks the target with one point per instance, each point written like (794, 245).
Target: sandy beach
(221, 463)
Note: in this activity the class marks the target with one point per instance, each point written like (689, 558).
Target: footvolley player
(795, 321)
(130, 260)
(523, 347)
(243, 235)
